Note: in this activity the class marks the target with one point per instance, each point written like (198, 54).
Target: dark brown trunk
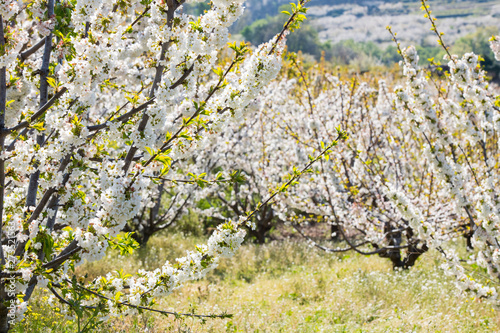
(4, 318)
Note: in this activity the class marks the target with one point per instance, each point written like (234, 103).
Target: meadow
(287, 286)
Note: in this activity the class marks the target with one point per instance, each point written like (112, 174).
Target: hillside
(365, 20)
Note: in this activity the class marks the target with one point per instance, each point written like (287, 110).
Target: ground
(287, 286)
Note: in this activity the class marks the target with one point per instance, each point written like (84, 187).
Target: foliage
(306, 39)
(477, 42)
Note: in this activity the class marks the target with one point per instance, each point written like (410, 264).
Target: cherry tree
(98, 102)
(459, 123)
(257, 155)
(297, 116)
(417, 171)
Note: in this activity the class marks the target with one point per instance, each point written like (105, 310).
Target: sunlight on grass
(286, 286)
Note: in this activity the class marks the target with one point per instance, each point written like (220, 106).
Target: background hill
(354, 32)
(364, 21)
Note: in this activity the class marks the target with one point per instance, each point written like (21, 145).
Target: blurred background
(353, 32)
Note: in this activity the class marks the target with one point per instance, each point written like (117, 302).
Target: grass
(286, 286)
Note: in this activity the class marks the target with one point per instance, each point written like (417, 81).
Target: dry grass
(286, 286)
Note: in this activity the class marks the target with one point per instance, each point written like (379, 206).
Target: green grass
(286, 286)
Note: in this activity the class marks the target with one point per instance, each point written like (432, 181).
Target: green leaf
(27, 246)
(150, 151)
(38, 127)
(9, 102)
(51, 81)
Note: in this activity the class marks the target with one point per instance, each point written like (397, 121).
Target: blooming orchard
(120, 115)
(99, 100)
(419, 170)
(348, 189)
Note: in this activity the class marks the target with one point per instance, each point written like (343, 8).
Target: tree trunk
(4, 319)
(5, 301)
(413, 254)
(264, 224)
(334, 233)
(468, 238)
